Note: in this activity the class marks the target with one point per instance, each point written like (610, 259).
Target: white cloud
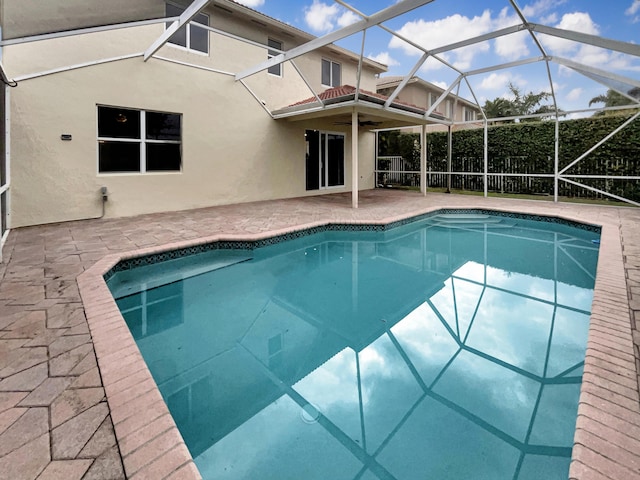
(496, 85)
(495, 81)
(347, 18)
(541, 6)
(549, 19)
(385, 58)
(634, 11)
(575, 94)
(583, 53)
(512, 47)
(633, 8)
(575, 116)
(321, 17)
(445, 31)
(442, 85)
(251, 3)
(436, 33)
(577, 22)
(432, 64)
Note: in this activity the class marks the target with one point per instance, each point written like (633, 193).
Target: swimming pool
(450, 347)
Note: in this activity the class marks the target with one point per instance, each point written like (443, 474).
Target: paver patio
(57, 421)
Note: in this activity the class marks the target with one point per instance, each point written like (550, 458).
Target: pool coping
(145, 429)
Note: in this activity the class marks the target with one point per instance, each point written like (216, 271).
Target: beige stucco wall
(31, 17)
(225, 54)
(35, 57)
(418, 94)
(233, 151)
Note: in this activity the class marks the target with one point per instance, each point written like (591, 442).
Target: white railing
(391, 170)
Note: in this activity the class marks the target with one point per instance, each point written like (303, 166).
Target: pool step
(470, 220)
(130, 282)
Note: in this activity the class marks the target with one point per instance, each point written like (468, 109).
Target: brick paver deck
(70, 371)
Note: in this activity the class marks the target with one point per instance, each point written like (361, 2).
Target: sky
(442, 22)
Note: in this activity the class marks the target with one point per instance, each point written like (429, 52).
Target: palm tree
(615, 99)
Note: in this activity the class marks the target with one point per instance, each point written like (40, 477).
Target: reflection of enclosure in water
(387, 346)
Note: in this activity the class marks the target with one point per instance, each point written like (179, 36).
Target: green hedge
(529, 148)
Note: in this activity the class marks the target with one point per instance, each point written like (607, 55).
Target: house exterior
(90, 118)
(425, 94)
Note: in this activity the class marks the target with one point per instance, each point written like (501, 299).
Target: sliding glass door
(325, 159)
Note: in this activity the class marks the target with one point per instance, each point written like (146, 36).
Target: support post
(556, 174)
(486, 158)
(423, 160)
(449, 155)
(7, 165)
(354, 158)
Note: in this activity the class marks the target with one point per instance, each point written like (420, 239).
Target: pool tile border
(268, 239)
(152, 447)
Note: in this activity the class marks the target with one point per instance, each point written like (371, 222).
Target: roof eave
(364, 100)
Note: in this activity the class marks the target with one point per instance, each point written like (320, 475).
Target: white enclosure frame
(366, 22)
(5, 189)
(405, 6)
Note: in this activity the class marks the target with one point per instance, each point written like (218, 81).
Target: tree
(521, 104)
(407, 145)
(615, 99)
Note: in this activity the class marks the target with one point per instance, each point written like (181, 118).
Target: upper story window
(449, 109)
(331, 73)
(138, 141)
(433, 98)
(277, 46)
(190, 36)
(469, 115)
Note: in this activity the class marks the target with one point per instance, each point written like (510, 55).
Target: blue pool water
(448, 348)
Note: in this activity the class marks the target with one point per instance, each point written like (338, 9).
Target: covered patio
(77, 403)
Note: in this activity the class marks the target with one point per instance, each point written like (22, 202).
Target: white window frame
(344, 158)
(331, 64)
(188, 34)
(449, 109)
(143, 141)
(272, 52)
(472, 113)
(433, 98)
